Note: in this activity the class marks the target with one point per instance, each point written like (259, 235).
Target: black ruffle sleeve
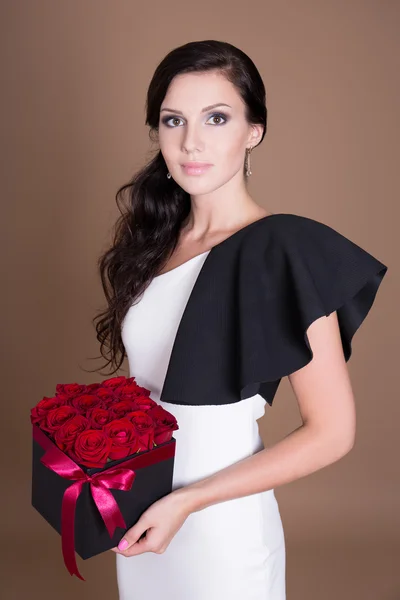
(302, 271)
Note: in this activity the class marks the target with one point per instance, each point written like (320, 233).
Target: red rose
(85, 402)
(121, 408)
(145, 403)
(123, 436)
(91, 448)
(113, 382)
(70, 389)
(106, 395)
(99, 417)
(92, 387)
(39, 412)
(64, 398)
(57, 417)
(127, 381)
(65, 436)
(165, 424)
(131, 391)
(144, 426)
(143, 391)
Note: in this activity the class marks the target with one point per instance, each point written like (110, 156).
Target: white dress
(232, 550)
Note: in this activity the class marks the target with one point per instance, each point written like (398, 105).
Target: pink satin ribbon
(119, 477)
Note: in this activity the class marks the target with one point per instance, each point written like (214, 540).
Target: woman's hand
(162, 519)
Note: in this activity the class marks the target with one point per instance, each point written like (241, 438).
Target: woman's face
(191, 131)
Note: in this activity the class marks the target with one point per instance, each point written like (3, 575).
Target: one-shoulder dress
(211, 339)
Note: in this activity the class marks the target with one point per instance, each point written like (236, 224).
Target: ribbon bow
(117, 477)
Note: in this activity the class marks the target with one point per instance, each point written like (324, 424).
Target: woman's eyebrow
(203, 110)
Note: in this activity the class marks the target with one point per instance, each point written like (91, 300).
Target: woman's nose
(192, 139)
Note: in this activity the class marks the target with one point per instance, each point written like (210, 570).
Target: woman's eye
(166, 121)
(218, 116)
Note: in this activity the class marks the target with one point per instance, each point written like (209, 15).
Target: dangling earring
(169, 175)
(247, 161)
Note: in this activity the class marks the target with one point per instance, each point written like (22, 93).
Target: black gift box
(151, 483)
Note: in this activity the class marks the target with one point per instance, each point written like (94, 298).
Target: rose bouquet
(111, 436)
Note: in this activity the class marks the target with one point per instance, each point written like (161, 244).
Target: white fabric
(233, 550)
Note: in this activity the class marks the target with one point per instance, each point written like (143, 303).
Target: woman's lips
(193, 169)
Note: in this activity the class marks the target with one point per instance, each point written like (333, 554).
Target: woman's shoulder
(294, 260)
(293, 270)
(287, 225)
(300, 237)
(284, 228)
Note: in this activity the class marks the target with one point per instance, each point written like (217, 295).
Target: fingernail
(123, 544)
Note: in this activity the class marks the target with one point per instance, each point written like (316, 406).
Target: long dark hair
(147, 231)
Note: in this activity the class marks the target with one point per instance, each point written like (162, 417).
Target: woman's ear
(256, 135)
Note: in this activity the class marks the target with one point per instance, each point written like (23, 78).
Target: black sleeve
(305, 270)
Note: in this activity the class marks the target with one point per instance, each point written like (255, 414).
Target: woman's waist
(200, 457)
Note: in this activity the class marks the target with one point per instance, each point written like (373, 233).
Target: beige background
(74, 79)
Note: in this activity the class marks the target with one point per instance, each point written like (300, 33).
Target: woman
(214, 300)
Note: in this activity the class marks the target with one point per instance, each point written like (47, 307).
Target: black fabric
(244, 325)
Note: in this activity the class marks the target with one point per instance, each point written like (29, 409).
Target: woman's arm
(325, 397)
(326, 402)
